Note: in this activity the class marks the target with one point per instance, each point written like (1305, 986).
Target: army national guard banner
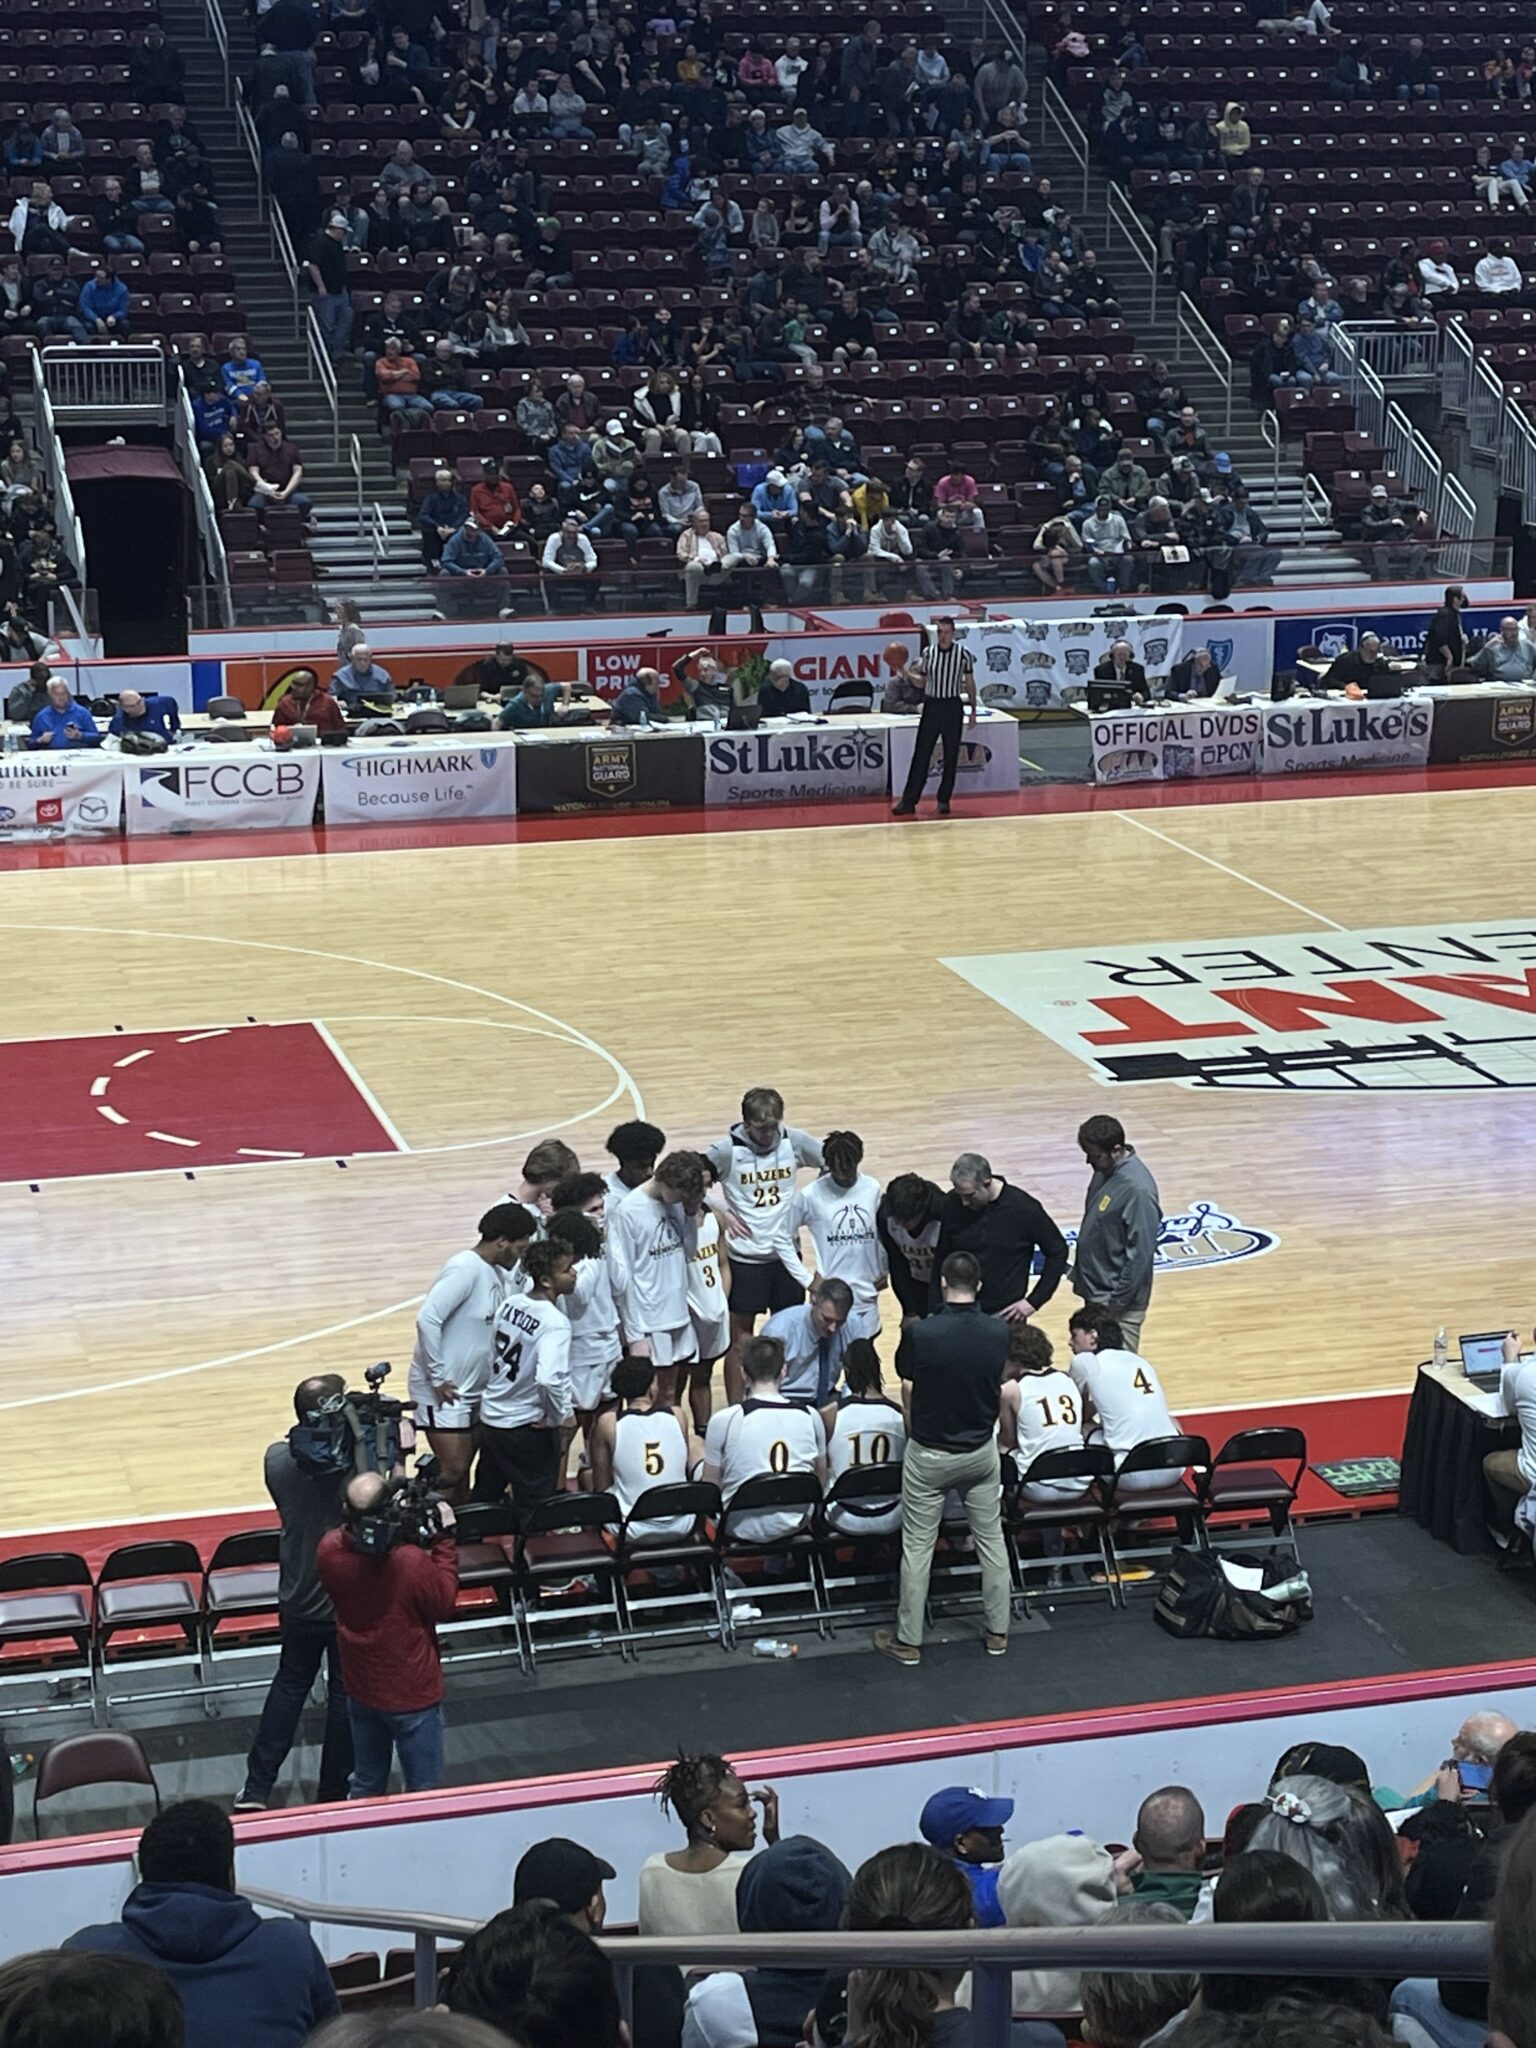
(1044, 664)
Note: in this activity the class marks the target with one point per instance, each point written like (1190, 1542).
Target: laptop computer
(1482, 1358)
(305, 735)
(461, 697)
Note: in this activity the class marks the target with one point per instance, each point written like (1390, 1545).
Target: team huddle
(602, 1304)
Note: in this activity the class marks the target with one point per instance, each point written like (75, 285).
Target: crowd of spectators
(189, 1964)
(912, 196)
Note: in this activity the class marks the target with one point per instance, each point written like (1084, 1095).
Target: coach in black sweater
(1001, 1227)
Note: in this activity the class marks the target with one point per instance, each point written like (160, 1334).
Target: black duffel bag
(1198, 1599)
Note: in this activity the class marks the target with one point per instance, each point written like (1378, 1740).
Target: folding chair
(1093, 1465)
(240, 1584)
(487, 1581)
(565, 1568)
(1176, 1500)
(1242, 1482)
(46, 1598)
(795, 1552)
(644, 1559)
(145, 1586)
(864, 1562)
(104, 1757)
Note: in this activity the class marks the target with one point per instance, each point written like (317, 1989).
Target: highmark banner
(384, 786)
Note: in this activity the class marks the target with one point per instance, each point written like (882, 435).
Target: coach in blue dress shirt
(815, 1334)
(138, 713)
(62, 722)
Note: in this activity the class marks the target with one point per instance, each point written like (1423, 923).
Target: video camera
(350, 1432)
(406, 1513)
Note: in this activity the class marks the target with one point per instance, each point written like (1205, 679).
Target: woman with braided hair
(693, 1890)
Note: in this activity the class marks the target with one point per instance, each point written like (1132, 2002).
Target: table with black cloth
(1444, 1446)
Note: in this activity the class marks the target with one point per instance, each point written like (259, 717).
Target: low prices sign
(1177, 745)
(796, 766)
(60, 796)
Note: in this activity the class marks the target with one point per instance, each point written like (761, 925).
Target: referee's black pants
(941, 724)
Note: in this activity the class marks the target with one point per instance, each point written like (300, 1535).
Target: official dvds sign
(1398, 1008)
(1177, 744)
(1203, 1235)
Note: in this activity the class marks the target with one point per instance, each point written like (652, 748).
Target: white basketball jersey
(1050, 1418)
(649, 1449)
(758, 1187)
(841, 1223)
(648, 1264)
(763, 1436)
(530, 1381)
(1128, 1395)
(706, 1289)
(868, 1431)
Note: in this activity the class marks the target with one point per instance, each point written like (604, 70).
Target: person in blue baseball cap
(964, 1823)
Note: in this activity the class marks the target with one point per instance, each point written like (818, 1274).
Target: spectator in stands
(570, 558)
(62, 722)
(38, 223)
(693, 1890)
(793, 1887)
(938, 546)
(533, 1973)
(23, 148)
(909, 1886)
(1107, 540)
(1170, 1841)
(442, 378)
(307, 701)
(1341, 1836)
(1126, 2008)
(678, 499)
(146, 184)
(493, 501)
(472, 552)
(890, 546)
(1063, 1881)
(1264, 1886)
(157, 71)
(55, 302)
(277, 470)
(326, 266)
(966, 1828)
(236, 1973)
(60, 1998)
(241, 371)
(443, 511)
(397, 379)
(1497, 273)
(1413, 73)
(115, 220)
(1437, 275)
(104, 305)
(62, 141)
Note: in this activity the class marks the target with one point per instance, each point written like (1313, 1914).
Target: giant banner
(1043, 664)
(239, 791)
(1302, 737)
(1179, 744)
(803, 765)
(76, 795)
(374, 786)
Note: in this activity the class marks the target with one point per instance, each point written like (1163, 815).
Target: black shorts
(523, 1462)
(761, 1287)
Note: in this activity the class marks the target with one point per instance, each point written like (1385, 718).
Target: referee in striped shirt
(947, 675)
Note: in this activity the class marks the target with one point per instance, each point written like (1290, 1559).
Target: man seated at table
(535, 705)
(138, 713)
(1121, 671)
(1197, 676)
(496, 673)
(1504, 657)
(360, 677)
(62, 722)
(639, 702)
(1366, 667)
(782, 693)
(307, 702)
(1511, 1475)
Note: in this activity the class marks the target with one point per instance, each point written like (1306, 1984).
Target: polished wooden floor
(155, 1325)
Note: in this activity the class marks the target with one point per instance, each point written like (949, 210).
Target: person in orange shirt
(494, 503)
(399, 380)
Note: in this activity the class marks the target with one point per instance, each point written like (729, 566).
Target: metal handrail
(1119, 218)
(184, 428)
(1457, 358)
(355, 457)
(1413, 458)
(1391, 1949)
(66, 519)
(379, 537)
(1053, 108)
(1194, 328)
(1269, 427)
(1010, 31)
(325, 372)
(246, 128)
(220, 37)
(282, 246)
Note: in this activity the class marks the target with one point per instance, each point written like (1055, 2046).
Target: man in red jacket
(387, 1604)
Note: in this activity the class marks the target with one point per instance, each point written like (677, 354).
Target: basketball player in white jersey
(638, 1445)
(865, 1428)
(649, 1235)
(707, 1280)
(767, 1433)
(451, 1361)
(1126, 1402)
(757, 1163)
(527, 1400)
(838, 1211)
(636, 1147)
(548, 1162)
(1041, 1410)
(908, 1222)
(589, 1308)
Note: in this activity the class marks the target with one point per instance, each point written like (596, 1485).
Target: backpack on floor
(1198, 1599)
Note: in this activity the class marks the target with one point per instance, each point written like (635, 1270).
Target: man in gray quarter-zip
(1122, 1217)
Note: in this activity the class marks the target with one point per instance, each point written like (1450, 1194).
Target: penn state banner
(1045, 664)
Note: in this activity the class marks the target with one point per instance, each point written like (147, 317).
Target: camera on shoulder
(406, 1512)
(347, 1432)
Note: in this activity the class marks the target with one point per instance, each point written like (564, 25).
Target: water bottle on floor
(774, 1646)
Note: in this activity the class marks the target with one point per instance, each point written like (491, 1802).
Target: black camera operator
(392, 1572)
(306, 1482)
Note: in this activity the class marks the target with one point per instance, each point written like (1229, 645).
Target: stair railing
(325, 376)
(1056, 114)
(355, 457)
(218, 35)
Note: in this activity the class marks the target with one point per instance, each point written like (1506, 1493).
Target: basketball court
(248, 1105)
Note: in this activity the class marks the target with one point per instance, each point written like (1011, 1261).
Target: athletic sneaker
(251, 1801)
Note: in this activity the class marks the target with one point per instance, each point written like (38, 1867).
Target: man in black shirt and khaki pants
(951, 1365)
